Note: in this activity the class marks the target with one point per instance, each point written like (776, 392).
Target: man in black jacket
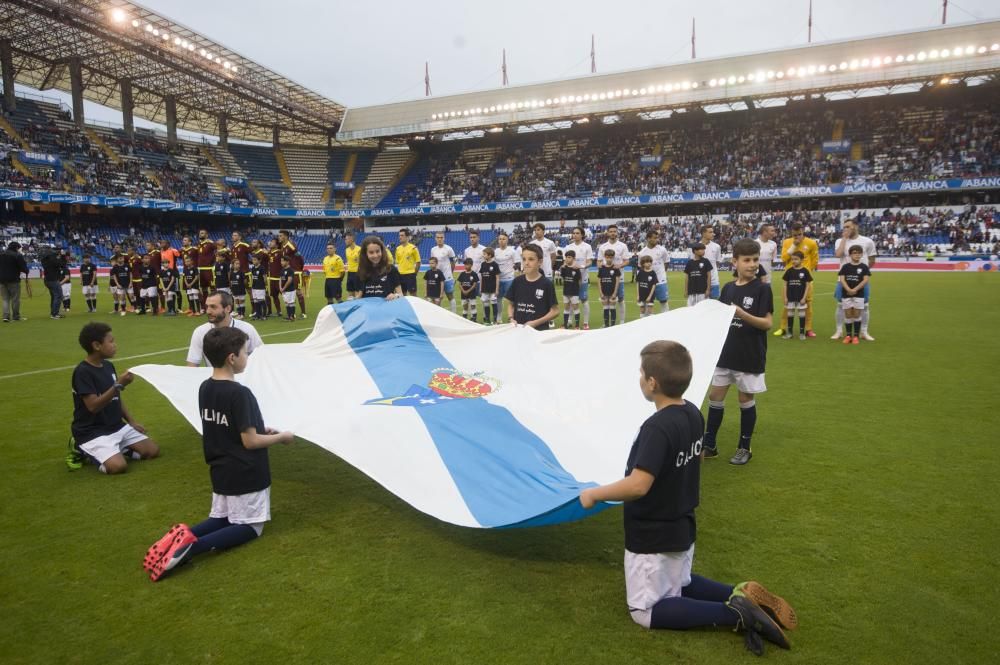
(52, 276)
(12, 266)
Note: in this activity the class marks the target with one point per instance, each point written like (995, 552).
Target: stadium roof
(117, 40)
(958, 51)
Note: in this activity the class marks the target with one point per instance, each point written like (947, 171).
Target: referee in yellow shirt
(333, 269)
(407, 263)
(798, 242)
(352, 252)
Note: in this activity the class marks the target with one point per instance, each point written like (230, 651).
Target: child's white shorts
(251, 508)
(744, 381)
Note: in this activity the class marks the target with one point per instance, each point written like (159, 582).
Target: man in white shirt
(547, 246)
(658, 253)
(445, 256)
(842, 250)
(622, 256)
(507, 260)
(584, 259)
(768, 250)
(219, 308)
(474, 251)
(714, 255)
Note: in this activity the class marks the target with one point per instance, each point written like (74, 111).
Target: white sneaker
(868, 338)
(837, 335)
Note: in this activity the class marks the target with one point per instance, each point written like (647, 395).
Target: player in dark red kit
(297, 263)
(274, 277)
(206, 264)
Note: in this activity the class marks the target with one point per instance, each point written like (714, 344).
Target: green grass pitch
(870, 504)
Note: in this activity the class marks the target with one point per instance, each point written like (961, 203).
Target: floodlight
(135, 23)
(933, 54)
(731, 80)
(944, 53)
(780, 75)
(711, 83)
(921, 56)
(642, 91)
(969, 50)
(226, 65)
(981, 50)
(118, 15)
(811, 69)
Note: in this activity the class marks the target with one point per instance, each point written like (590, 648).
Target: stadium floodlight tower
(879, 63)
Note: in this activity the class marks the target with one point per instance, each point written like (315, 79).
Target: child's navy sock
(702, 588)
(748, 419)
(802, 324)
(680, 613)
(614, 315)
(211, 524)
(225, 538)
(789, 328)
(607, 317)
(576, 317)
(565, 320)
(714, 421)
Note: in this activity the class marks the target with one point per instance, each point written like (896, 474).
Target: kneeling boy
(661, 492)
(103, 429)
(235, 442)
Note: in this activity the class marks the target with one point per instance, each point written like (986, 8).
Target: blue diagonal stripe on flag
(506, 474)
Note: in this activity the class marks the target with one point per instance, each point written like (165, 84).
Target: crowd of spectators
(702, 153)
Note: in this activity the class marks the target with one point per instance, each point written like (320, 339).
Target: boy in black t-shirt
(258, 287)
(287, 286)
(697, 274)
(192, 285)
(235, 442)
(796, 293)
(745, 352)
(571, 278)
(65, 283)
(646, 287)
(88, 283)
(489, 277)
(150, 279)
(853, 277)
(531, 300)
(468, 282)
(103, 429)
(121, 277)
(660, 493)
(170, 279)
(433, 281)
(609, 278)
(238, 286)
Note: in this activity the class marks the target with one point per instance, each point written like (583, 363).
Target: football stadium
(220, 285)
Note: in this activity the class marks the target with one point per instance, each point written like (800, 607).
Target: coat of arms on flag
(445, 384)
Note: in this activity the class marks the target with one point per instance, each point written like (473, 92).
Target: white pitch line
(141, 355)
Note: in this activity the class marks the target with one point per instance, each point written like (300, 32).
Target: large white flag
(477, 426)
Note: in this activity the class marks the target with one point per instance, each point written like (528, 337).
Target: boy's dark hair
(645, 258)
(670, 364)
(609, 252)
(489, 251)
(856, 248)
(85, 256)
(696, 246)
(569, 253)
(798, 254)
(534, 249)
(745, 247)
(93, 332)
(285, 259)
(468, 262)
(220, 342)
(433, 258)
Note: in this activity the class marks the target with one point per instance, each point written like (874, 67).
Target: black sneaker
(709, 451)
(741, 457)
(756, 623)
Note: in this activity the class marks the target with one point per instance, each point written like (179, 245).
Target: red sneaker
(161, 546)
(847, 339)
(160, 561)
(855, 340)
(810, 333)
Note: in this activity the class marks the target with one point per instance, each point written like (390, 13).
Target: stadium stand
(386, 169)
(261, 166)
